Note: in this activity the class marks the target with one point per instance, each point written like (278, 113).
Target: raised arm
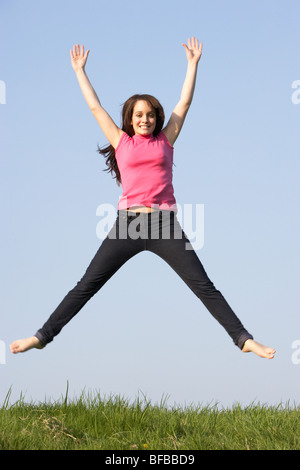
(111, 130)
(193, 54)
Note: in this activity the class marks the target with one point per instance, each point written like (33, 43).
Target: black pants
(160, 233)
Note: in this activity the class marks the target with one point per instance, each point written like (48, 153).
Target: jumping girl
(140, 157)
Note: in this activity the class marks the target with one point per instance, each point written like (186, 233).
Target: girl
(140, 157)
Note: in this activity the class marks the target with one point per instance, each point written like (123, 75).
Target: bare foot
(22, 345)
(259, 349)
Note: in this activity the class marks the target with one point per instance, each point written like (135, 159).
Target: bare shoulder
(174, 126)
(112, 132)
(118, 137)
(168, 136)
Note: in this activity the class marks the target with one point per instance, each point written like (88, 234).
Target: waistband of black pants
(159, 212)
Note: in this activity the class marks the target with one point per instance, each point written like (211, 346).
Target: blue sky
(238, 155)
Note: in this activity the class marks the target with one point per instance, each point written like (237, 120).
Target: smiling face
(143, 118)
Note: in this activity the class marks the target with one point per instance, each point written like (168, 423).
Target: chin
(145, 131)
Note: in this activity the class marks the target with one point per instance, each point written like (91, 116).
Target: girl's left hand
(193, 50)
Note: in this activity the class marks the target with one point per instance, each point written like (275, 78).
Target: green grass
(93, 422)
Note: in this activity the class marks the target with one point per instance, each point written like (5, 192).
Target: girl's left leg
(187, 265)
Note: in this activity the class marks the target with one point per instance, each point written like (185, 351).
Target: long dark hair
(109, 151)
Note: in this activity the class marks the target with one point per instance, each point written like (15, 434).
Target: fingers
(78, 51)
(193, 44)
(73, 52)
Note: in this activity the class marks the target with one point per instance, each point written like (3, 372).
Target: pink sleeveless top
(145, 164)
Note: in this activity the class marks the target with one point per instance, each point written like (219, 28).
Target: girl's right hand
(78, 57)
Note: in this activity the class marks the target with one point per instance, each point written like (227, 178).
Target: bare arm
(173, 128)
(111, 130)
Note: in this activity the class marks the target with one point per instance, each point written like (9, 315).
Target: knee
(86, 287)
(205, 288)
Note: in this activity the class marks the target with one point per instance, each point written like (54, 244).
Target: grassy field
(95, 423)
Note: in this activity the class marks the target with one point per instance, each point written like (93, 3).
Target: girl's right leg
(112, 254)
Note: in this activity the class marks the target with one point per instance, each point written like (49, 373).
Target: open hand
(78, 57)
(193, 50)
